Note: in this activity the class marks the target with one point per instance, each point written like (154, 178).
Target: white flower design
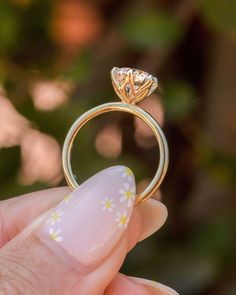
(108, 204)
(55, 234)
(55, 216)
(122, 219)
(127, 194)
(67, 198)
(126, 173)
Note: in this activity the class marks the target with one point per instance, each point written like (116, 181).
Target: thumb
(79, 246)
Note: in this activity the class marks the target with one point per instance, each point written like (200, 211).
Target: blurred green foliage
(160, 30)
(220, 15)
(190, 46)
(180, 99)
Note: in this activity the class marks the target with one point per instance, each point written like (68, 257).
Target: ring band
(127, 105)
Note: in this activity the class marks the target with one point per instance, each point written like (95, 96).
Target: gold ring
(131, 86)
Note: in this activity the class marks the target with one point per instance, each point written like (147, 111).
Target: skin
(30, 266)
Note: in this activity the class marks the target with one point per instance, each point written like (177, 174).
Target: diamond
(132, 85)
(118, 75)
(154, 86)
(139, 77)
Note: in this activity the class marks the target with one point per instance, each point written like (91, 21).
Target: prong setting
(132, 85)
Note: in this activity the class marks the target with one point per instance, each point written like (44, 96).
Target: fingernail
(90, 221)
(160, 288)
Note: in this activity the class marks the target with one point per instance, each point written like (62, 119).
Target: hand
(78, 246)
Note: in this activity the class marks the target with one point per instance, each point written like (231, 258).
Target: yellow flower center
(123, 220)
(128, 171)
(67, 198)
(54, 236)
(55, 216)
(108, 204)
(128, 194)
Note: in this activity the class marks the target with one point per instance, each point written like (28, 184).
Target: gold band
(125, 107)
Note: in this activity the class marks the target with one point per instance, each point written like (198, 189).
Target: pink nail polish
(90, 221)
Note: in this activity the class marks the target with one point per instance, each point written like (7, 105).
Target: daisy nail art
(122, 219)
(55, 234)
(67, 198)
(55, 216)
(91, 224)
(126, 173)
(127, 194)
(108, 204)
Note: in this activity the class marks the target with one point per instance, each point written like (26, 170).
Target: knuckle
(20, 272)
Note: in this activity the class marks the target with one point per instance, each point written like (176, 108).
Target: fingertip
(124, 285)
(153, 215)
(158, 288)
(132, 285)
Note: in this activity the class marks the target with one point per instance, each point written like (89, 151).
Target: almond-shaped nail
(90, 221)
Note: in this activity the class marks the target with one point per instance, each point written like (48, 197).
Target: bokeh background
(55, 62)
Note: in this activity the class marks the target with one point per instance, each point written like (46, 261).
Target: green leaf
(151, 29)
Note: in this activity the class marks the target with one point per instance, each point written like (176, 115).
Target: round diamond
(124, 78)
(139, 77)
